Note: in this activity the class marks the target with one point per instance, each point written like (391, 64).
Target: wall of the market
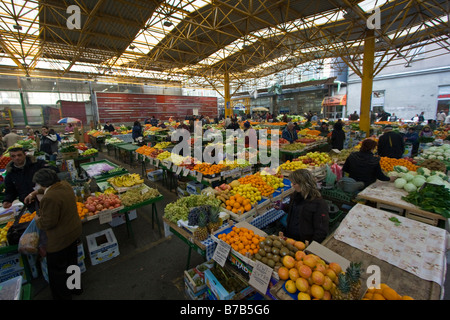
(408, 90)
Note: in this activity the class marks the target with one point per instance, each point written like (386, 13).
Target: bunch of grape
(195, 212)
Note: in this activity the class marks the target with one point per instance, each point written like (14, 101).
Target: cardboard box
(119, 219)
(194, 187)
(219, 290)
(327, 255)
(102, 246)
(155, 175)
(10, 262)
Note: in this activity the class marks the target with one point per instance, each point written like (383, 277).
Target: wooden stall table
(189, 239)
(128, 149)
(388, 197)
(410, 260)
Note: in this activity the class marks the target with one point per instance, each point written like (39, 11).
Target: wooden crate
(422, 218)
(389, 208)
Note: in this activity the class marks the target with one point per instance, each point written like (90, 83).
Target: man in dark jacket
(18, 180)
(391, 144)
(337, 136)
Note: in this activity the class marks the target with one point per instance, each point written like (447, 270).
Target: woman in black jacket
(337, 136)
(363, 166)
(307, 218)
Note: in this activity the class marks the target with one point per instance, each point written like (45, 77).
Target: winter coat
(136, 132)
(391, 145)
(59, 217)
(290, 136)
(307, 219)
(364, 167)
(337, 138)
(49, 144)
(19, 181)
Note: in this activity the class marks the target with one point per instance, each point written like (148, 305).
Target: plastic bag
(337, 170)
(330, 177)
(29, 241)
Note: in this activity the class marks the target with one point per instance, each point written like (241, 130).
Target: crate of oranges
(239, 208)
(243, 238)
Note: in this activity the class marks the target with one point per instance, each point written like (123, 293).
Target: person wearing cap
(289, 133)
(58, 218)
(391, 144)
(18, 180)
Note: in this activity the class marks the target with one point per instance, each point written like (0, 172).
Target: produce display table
(128, 149)
(207, 247)
(103, 176)
(410, 260)
(388, 197)
(26, 265)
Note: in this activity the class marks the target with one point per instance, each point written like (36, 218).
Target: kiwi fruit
(271, 263)
(258, 256)
(276, 258)
(261, 252)
(277, 244)
(275, 250)
(268, 242)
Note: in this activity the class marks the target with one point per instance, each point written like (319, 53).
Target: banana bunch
(126, 180)
(162, 145)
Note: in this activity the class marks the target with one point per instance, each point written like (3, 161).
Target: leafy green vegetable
(432, 198)
(395, 220)
(180, 209)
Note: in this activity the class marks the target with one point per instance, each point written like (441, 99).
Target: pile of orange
(209, 169)
(256, 181)
(384, 293)
(238, 204)
(26, 217)
(387, 164)
(145, 150)
(243, 240)
(82, 210)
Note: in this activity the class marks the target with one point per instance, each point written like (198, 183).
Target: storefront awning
(337, 100)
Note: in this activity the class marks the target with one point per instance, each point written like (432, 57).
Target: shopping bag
(29, 241)
(330, 177)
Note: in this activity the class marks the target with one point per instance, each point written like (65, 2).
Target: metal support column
(228, 108)
(367, 81)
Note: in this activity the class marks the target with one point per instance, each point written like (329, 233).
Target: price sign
(105, 217)
(174, 168)
(221, 253)
(199, 177)
(185, 172)
(260, 276)
(179, 169)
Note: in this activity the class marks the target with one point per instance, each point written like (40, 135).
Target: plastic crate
(337, 194)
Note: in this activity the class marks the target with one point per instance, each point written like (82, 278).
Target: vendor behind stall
(391, 144)
(289, 133)
(363, 167)
(307, 212)
(18, 180)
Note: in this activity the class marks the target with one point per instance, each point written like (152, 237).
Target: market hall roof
(153, 39)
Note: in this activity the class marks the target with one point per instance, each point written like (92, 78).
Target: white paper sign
(221, 253)
(185, 172)
(179, 169)
(104, 217)
(199, 177)
(260, 277)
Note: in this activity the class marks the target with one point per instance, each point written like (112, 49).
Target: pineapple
(214, 219)
(353, 273)
(342, 291)
(201, 233)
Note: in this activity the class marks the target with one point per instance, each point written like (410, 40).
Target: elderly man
(289, 133)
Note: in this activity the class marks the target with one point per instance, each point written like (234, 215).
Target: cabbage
(408, 176)
(401, 169)
(418, 181)
(435, 179)
(400, 183)
(409, 187)
(424, 171)
(392, 174)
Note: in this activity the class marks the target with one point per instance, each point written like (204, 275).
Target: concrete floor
(152, 270)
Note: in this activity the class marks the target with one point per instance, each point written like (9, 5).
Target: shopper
(363, 166)
(426, 132)
(354, 116)
(384, 116)
(234, 125)
(391, 144)
(289, 133)
(447, 119)
(136, 131)
(440, 118)
(307, 212)
(422, 117)
(154, 121)
(11, 138)
(412, 137)
(337, 136)
(108, 127)
(49, 143)
(68, 128)
(18, 180)
(324, 131)
(58, 218)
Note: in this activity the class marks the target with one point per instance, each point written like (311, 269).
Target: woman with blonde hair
(307, 212)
